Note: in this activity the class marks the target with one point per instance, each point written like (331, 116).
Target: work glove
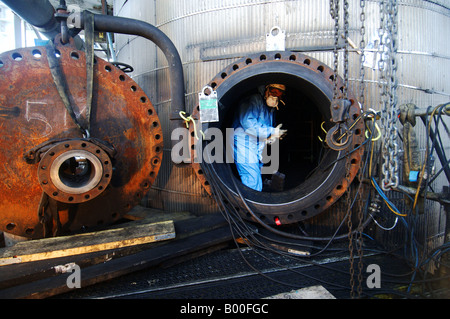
(277, 134)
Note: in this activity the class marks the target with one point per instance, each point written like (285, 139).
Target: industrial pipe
(121, 25)
(39, 13)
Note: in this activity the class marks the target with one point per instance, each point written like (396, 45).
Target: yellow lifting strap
(190, 119)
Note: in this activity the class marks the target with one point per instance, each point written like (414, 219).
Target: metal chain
(350, 233)
(362, 45)
(346, 34)
(393, 97)
(383, 89)
(359, 239)
(388, 80)
(347, 176)
(334, 11)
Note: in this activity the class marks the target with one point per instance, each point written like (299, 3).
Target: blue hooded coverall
(253, 123)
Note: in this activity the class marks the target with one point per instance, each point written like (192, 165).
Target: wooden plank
(86, 243)
(117, 267)
(25, 273)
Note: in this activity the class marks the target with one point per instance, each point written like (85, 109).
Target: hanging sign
(209, 106)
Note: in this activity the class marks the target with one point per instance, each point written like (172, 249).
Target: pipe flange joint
(75, 171)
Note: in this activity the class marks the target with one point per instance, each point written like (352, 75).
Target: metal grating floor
(226, 274)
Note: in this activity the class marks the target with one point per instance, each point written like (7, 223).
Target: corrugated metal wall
(212, 34)
(176, 188)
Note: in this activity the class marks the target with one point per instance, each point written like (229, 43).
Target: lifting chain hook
(339, 137)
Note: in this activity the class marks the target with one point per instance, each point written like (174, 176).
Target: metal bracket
(339, 110)
(276, 39)
(61, 15)
(408, 114)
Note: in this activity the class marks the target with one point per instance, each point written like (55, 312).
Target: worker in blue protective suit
(254, 128)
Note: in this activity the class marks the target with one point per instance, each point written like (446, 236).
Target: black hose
(38, 13)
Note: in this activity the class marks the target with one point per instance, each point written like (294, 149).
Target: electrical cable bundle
(250, 237)
(254, 239)
(410, 219)
(246, 233)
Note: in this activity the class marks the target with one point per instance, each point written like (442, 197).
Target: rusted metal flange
(32, 113)
(305, 201)
(75, 171)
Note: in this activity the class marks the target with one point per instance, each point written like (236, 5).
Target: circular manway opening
(297, 155)
(76, 172)
(304, 161)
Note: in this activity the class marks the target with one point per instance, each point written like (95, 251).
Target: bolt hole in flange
(314, 180)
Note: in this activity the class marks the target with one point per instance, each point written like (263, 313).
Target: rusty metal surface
(32, 113)
(338, 184)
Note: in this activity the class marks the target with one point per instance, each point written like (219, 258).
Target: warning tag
(209, 106)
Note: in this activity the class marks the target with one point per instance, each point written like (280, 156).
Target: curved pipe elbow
(121, 25)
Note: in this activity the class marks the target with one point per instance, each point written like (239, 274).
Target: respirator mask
(272, 101)
(273, 95)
